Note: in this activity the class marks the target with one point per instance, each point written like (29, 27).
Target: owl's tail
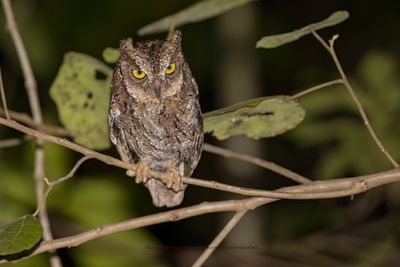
(163, 196)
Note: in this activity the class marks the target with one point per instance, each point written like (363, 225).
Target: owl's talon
(174, 180)
(130, 173)
(142, 169)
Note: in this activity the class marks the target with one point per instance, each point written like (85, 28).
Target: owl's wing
(117, 136)
(117, 133)
(197, 126)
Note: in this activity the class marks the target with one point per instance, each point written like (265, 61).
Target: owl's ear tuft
(176, 38)
(126, 46)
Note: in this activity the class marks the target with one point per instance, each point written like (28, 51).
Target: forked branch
(330, 48)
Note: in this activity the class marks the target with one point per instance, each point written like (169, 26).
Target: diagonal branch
(161, 217)
(219, 238)
(330, 48)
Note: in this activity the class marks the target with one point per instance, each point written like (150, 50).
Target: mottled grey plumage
(156, 120)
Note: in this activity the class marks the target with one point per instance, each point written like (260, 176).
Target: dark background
(330, 143)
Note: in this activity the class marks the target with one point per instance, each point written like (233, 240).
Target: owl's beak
(157, 89)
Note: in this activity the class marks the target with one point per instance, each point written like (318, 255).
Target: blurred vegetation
(331, 142)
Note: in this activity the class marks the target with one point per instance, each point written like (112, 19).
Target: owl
(155, 118)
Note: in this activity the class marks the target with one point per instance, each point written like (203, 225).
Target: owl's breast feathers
(163, 132)
(170, 128)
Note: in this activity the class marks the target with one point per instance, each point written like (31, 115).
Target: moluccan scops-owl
(155, 117)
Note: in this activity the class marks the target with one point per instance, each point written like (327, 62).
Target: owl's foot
(174, 180)
(141, 173)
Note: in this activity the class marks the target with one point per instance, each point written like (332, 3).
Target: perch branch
(24, 118)
(31, 88)
(257, 161)
(331, 50)
(219, 238)
(316, 190)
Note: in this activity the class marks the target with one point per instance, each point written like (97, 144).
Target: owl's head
(152, 70)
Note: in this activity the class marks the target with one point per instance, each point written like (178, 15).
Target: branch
(31, 88)
(26, 119)
(166, 216)
(361, 183)
(219, 238)
(257, 161)
(349, 88)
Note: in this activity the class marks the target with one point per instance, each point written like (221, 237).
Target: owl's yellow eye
(138, 74)
(170, 69)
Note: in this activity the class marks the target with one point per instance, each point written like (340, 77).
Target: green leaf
(20, 235)
(81, 92)
(199, 11)
(284, 38)
(256, 118)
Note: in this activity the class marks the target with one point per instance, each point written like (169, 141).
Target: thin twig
(3, 97)
(31, 88)
(316, 88)
(72, 172)
(257, 161)
(50, 185)
(331, 50)
(219, 238)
